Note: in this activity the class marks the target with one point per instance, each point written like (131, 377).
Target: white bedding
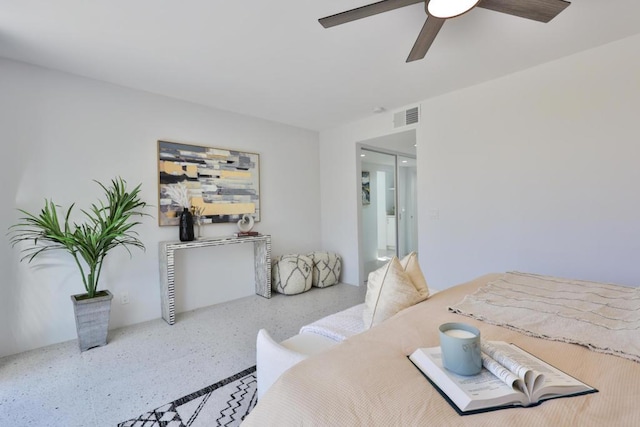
(338, 326)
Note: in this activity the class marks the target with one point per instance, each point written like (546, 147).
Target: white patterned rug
(225, 403)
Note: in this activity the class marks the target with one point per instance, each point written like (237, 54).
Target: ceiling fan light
(450, 8)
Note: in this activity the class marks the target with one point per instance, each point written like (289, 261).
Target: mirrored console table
(262, 263)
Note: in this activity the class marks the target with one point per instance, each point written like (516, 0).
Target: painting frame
(223, 182)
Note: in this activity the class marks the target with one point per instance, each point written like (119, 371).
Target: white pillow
(412, 268)
(389, 290)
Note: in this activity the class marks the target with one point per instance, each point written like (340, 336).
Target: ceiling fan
(439, 11)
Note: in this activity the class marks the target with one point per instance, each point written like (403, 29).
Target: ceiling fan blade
(428, 33)
(365, 11)
(538, 10)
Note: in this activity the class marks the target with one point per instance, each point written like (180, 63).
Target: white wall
(406, 212)
(59, 132)
(340, 190)
(537, 171)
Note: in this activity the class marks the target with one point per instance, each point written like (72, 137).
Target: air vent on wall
(406, 117)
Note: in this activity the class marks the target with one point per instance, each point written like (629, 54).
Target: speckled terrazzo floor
(146, 365)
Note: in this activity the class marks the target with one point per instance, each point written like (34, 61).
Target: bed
(368, 380)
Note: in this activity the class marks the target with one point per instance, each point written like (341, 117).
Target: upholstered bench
(338, 326)
(273, 358)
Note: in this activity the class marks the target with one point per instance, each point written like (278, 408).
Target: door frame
(359, 231)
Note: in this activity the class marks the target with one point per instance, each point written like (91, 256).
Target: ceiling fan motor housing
(440, 10)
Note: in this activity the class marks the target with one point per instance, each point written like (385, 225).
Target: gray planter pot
(92, 319)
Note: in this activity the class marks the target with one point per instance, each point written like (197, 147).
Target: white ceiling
(272, 59)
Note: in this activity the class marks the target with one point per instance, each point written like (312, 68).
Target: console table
(262, 262)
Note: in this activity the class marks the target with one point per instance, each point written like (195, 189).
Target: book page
(553, 379)
(522, 365)
(507, 377)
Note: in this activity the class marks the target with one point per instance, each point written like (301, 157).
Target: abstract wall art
(223, 184)
(366, 188)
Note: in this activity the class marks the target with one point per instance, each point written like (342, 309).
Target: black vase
(186, 226)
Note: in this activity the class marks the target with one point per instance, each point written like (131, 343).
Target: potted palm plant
(107, 225)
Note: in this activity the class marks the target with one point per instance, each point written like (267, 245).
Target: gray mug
(460, 344)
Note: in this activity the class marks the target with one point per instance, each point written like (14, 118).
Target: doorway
(407, 193)
(387, 221)
(378, 224)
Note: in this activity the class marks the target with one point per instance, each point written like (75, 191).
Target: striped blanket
(602, 317)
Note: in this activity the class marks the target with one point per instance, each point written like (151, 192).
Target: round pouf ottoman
(326, 268)
(292, 274)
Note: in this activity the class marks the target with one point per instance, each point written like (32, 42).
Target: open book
(510, 377)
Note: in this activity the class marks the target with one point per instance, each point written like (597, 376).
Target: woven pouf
(292, 274)
(326, 268)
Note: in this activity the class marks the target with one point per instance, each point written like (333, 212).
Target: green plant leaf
(108, 224)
